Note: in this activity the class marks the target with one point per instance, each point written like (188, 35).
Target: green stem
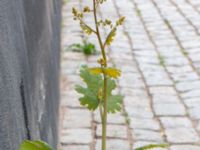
(104, 121)
(104, 118)
(98, 33)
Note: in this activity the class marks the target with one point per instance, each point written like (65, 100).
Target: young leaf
(90, 93)
(96, 70)
(91, 96)
(111, 36)
(113, 72)
(151, 146)
(86, 9)
(114, 101)
(34, 145)
(120, 21)
(86, 28)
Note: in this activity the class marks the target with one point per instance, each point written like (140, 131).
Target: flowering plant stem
(104, 115)
(98, 92)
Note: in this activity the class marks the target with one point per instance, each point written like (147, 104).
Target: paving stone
(178, 61)
(189, 76)
(165, 98)
(128, 68)
(77, 118)
(114, 144)
(186, 86)
(184, 147)
(114, 131)
(158, 81)
(191, 94)
(73, 56)
(116, 118)
(131, 81)
(147, 135)
(137, 112)
(149, 124)
(134, 93)
(181, 135)
(179, 69)
(194, 113)
(76, 136)
(75, 147)
(176, 109)
(192, 102)
(136, 101)
(176, 122)
(70, 100)
(165, 90)
(148, 60)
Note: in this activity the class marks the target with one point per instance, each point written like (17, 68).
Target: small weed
(87, 48)
(138, 12)
(176, 82)
(127, 119)
(184, 52)
(167, 23)
(161, 60)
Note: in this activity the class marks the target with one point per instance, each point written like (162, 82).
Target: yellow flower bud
(120, 21)
(86, 9)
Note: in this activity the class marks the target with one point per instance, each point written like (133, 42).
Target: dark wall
(29, 71)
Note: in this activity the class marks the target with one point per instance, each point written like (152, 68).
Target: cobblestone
(147, 135)
(182, 135)
(171, 109)
(117, 118)
(76, 136)
(76, 147)
(149, 124)
(176, 122)
(71, 121)
(158, 52)
(114, 145)
(184, 147)
(114, 131)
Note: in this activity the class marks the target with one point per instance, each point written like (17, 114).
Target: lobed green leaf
(94, 84)
(34, 145)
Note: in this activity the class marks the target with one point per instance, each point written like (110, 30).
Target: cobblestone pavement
(158, 51)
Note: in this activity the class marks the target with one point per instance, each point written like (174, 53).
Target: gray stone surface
(182, 135)
(76, 136)
(184, 147)
(29, 71)
(157, 50)
(176, 122)
(117, 118)
(150, 124)
(76, 147)
(114, 145)
(147, 135)
(172, 109)
(114, 131)
(71, 121)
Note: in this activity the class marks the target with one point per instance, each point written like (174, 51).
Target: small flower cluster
(107, 22)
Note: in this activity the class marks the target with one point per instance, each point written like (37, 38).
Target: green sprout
(87, 48)
(161, 60)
